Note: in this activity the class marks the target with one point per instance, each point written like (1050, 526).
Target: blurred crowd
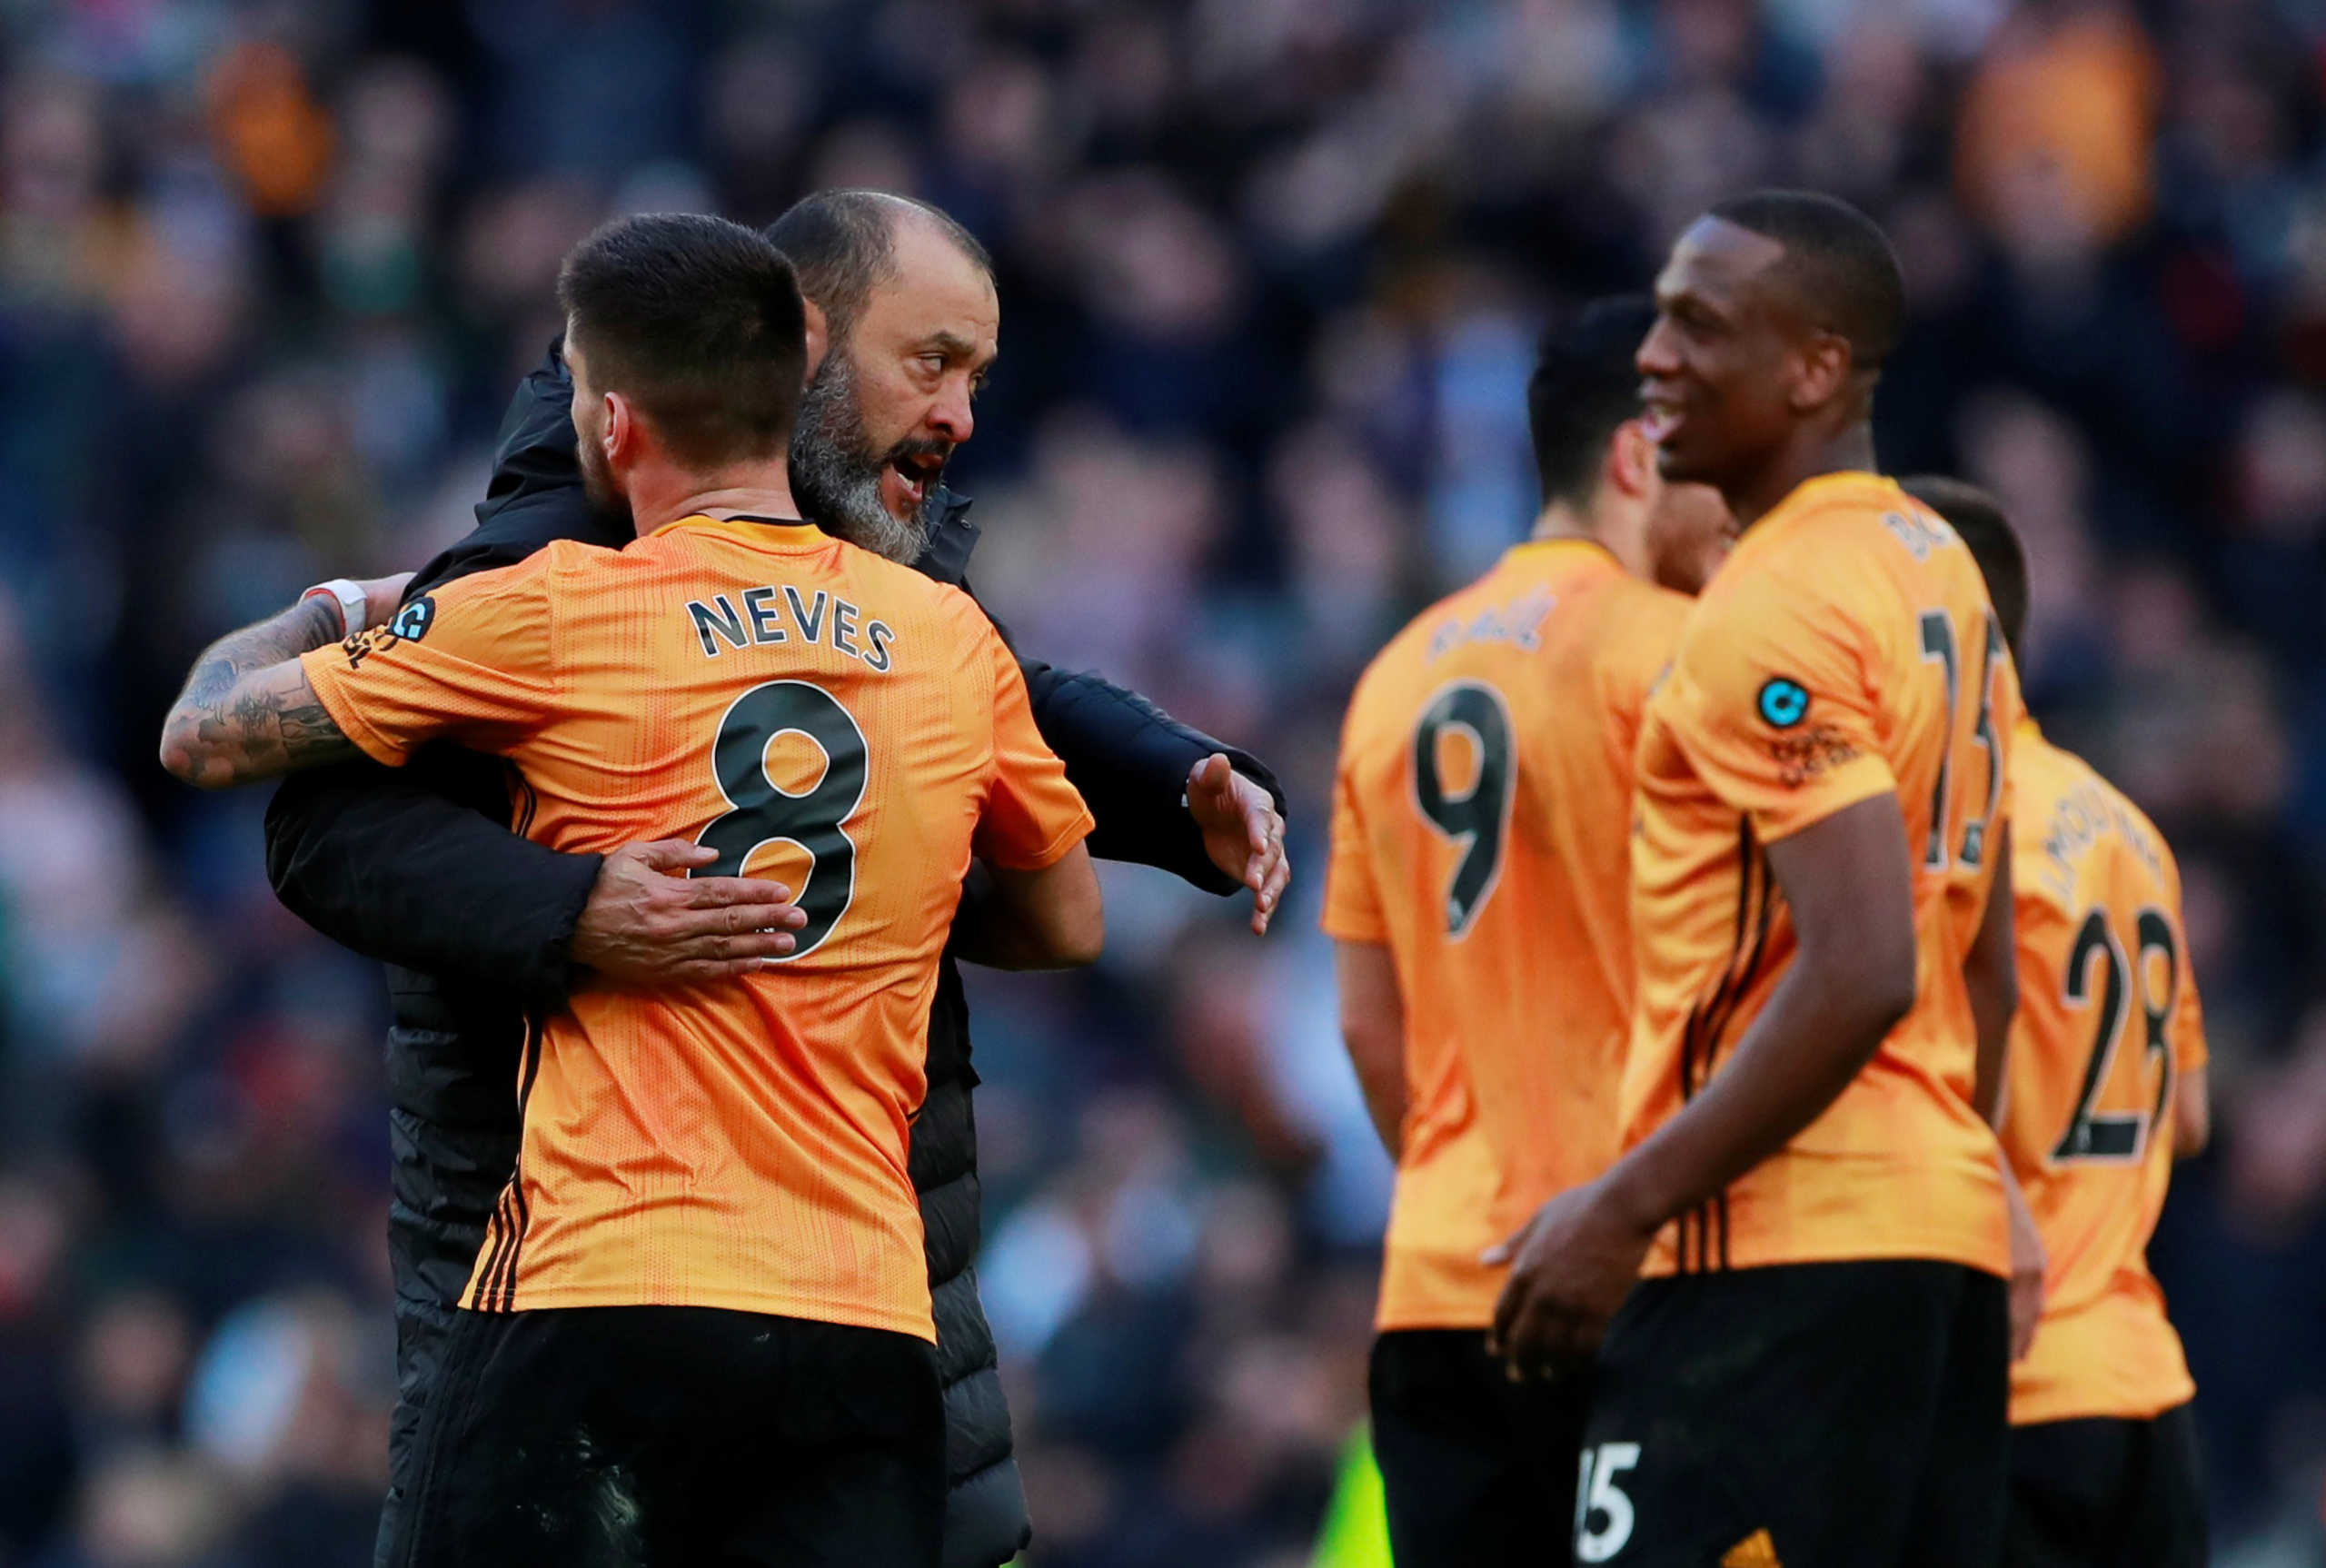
(1271, 274)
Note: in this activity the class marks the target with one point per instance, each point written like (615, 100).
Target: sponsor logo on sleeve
(1805, 754)
(1784, 702)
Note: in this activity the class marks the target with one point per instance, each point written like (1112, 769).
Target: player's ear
(1630, 463)
(818, 329)
(1823, 370)
(622, 433)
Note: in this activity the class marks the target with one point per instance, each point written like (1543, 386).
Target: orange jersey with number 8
(820, 716)
(1479, 832)
(2108, 1024)
(1847, 651)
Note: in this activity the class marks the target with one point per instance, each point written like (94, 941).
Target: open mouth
(1660, 416)
(916, 476)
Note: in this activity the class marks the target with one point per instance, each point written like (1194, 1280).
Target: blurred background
(1271, 272)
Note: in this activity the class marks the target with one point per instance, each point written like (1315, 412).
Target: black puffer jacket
(417, 867)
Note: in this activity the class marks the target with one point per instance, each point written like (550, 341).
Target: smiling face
(1719, 370)
(891, 401)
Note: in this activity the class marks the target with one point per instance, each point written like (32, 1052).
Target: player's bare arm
(1990, 977)
(247, 711)
(1372, 1026)
(1848, 880)
(1242, 832)
(2192, 1114)
(1051, 919)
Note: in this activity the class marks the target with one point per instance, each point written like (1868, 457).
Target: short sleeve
(1032, 816)
(1769, 700)
(1352, 898)
(469, 662)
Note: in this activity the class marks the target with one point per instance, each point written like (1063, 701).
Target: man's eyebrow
(950, 343)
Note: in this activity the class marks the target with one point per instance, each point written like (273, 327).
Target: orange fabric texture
(1481, 833)
(2107, 1023)
(823, 716)
(1846, 651)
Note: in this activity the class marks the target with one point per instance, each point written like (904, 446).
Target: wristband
(355, 609)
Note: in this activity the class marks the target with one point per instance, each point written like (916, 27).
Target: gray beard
(835, 481)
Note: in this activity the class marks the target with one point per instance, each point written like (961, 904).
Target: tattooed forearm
(247, 711)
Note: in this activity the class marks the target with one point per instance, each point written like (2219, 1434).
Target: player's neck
(753, 489)
(1813, 454)
(1561, 521)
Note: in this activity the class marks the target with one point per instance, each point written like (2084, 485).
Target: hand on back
(648, 924)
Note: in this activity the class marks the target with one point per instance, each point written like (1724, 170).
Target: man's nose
(1656, 356)
(951, 418)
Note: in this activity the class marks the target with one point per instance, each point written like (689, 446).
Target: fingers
(1277, 878)
(669, 854)
(737, 919)
(1534, 1343)
(2026, 1312)
(1212, 776)
(748, 948)
(726, 892)
(1507, 1307)
(1267, 869)
(680, 928)
(710, 971)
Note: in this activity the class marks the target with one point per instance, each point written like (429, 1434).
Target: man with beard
(483, 929)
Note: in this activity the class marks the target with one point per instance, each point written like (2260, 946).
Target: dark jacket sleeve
(1130, 760)
(417, 865)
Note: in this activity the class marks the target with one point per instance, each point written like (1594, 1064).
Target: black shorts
(638, 1436)
(1478, 1472)
(2118, 1494)
(1816, 1415)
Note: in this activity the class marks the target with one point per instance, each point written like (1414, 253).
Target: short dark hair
(843, 245)
(1584, 386)
(698, 320)
(1841, 263)
(1994, 544)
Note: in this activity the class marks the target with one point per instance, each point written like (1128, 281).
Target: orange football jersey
(2108, 1022)
(818, 715)
(1480, 832)
(1847, 651)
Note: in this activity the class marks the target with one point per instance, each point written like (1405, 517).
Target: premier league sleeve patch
(412, 621)
(1784, 702)
(409, 624)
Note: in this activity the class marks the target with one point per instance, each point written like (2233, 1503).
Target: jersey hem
(1663, 1261)
(1340, 928)
(533, 1298)
(2047, 1413)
